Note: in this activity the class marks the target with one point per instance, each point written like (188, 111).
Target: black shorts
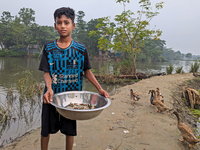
(52, 122)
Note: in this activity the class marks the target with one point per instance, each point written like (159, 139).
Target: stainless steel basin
(61, 100)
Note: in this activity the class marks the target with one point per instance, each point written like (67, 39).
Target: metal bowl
(61, 100)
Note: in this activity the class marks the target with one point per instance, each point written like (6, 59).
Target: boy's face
(64, 26)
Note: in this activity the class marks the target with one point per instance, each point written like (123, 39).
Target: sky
(179, 20)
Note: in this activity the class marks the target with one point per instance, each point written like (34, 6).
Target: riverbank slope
(124, 125)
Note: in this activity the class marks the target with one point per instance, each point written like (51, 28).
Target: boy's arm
(49, 93)
(90, 76)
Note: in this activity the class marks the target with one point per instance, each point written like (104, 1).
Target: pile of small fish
(80, 106)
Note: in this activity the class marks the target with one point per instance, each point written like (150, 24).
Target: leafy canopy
(128, 31)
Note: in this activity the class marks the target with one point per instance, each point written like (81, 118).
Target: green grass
(194, 66)
(179, 70)
(170, 69)
(195, 112)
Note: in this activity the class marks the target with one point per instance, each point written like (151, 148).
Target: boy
(64, 61)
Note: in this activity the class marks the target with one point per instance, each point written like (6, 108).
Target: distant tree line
(20, 31)
(17, 32)
(170, 54)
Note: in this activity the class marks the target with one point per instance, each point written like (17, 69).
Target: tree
(151, 50)
(40, 35)
(20, 31)
(92, 41)
(5, 30)
(178, 55)
(80, 32)
(26, 16)
(170, 54)
(130, 32)
(182, 56)
(188, 55)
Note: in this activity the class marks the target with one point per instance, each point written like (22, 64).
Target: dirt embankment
(123, 126)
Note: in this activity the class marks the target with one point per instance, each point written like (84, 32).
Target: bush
(2, 53)
(194, 66)
(126, 67)
(170, 69)
(11, 53)
(179, 70)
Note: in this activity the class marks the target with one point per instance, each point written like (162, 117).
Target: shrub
(179, 70)
(170, 69)
(11, 53)
(126, 67)
(194, 66)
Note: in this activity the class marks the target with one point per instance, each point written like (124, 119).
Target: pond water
(26, 114)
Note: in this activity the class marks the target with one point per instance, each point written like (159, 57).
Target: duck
(159, 95)
(196, 75)
(186, 132)
(134, 96)
(161, 107)
(151, 99)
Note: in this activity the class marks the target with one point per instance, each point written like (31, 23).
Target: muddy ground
(124, 126)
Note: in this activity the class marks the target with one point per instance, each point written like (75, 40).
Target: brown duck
(134, 96)
(161, 107)
(186, 132)
(151, 99)
(159, 95)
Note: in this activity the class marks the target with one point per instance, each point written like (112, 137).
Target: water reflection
(1, 64)
(24, 115)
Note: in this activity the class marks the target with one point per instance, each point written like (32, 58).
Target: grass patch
(194, 66)
(194, 84)
(170, 69)
(3, 114)
(179, 70)
(29, 87)
(195, 112)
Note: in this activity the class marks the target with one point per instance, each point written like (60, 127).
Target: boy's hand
(47, 98)
(103, 93)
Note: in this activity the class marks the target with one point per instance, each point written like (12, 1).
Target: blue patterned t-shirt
(66, 66)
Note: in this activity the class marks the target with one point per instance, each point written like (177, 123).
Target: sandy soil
(123, 126)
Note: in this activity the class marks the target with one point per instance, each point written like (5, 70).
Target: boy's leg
(69, 142)
(49, 124)
(68, 127)
(44, 142)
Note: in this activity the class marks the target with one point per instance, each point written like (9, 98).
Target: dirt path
(123, 126)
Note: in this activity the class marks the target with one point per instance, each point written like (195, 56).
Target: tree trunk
(1, 45)
(41, 50)
(134, 66)
(134, 69)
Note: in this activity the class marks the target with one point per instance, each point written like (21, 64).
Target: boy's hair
(68, 12)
